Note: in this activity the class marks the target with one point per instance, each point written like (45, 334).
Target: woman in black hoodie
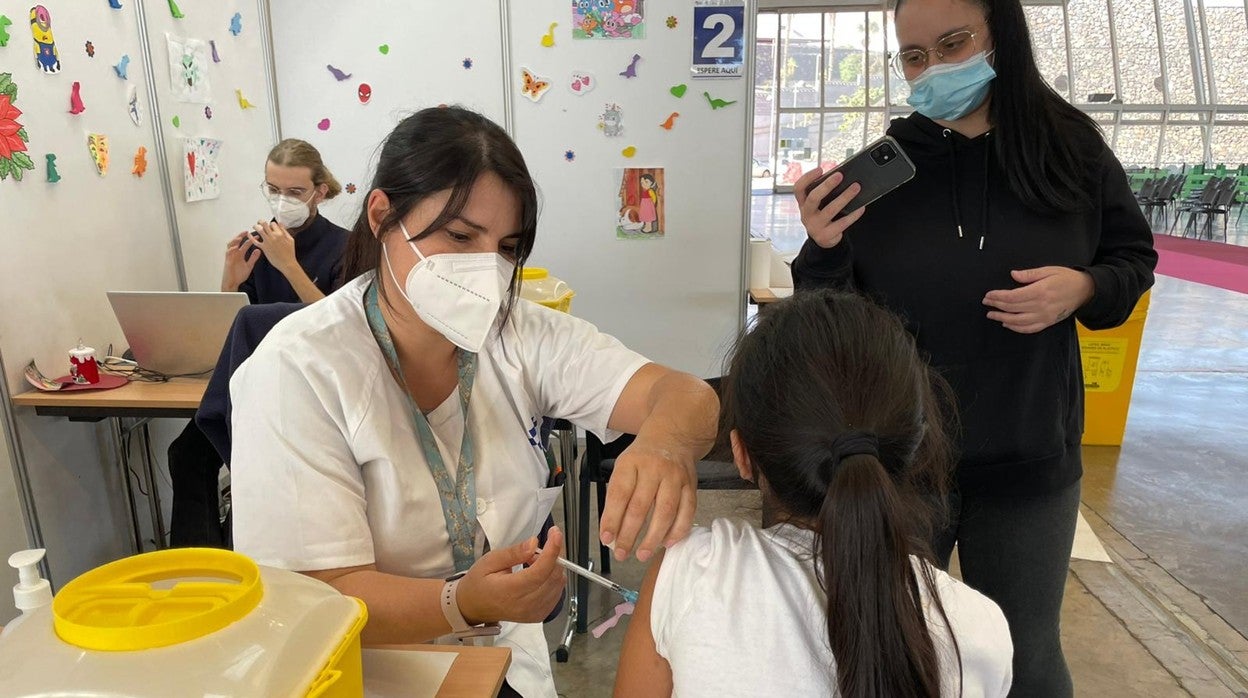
(1018, 222)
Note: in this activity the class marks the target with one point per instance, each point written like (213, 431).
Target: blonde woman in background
(293, 257)
(296, 255)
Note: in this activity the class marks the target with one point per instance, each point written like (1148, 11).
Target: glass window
(1135, 117)
(1182, 117)
(1139, 63)
(1048, 42)
(1178, 52)
(844, 53)
(1230, 144)
(877, 125)
(877, 57)
(1092, 58)
(843, 136)
(1104, 117)
(1184, 145)
(764, 141)
(801, 50)
(1228, 32)
(1137, 145)
(836, 83)
(899, 89)
(798, 146)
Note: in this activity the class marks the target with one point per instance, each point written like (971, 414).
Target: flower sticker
(13, 139)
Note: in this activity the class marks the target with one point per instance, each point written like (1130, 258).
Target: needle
(628, 594)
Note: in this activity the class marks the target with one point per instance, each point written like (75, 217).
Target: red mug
(82, 365)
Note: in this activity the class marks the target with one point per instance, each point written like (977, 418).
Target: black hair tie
(854, 443)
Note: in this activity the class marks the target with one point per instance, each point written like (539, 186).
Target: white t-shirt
(738, 611)
(327, 466)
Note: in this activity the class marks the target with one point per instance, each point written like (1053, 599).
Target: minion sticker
(45, 46)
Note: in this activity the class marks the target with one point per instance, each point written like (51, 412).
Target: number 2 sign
(718, 38)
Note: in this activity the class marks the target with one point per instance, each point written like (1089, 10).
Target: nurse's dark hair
(1047, 148)
(819, 366)
(434, 150)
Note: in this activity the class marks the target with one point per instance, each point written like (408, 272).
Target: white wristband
(459, 625)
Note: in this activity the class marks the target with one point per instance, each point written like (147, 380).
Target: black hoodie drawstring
(953, 187)
(953, 182)
(983, 230)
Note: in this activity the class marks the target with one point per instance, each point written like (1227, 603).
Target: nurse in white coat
(385, 438)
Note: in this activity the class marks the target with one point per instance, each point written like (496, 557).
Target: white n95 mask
(459, 295)
(289, 211)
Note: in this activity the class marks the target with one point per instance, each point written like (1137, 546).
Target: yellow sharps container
(1109, 361)
(192, 621)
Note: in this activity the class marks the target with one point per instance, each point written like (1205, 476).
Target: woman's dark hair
(431, 151)
(1045, 146)
(819, 368)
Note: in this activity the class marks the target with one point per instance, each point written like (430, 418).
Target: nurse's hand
(492, 592)
(646, 476)
(278, 245)
(237, 265)
(819, 223)
(1048, 296)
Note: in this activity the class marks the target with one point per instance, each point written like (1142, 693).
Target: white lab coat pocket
(546, 497)
(513, 518)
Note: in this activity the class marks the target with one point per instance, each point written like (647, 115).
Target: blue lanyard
(458, 496)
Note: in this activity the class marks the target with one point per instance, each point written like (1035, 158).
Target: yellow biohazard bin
(537, 285)
(183, 622)
(1109, 359)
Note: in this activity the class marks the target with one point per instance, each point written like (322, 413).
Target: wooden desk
(179, 397)
(478, 672)
(137, 401)
(763, 296)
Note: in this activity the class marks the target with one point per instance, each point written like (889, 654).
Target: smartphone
(247, 255)
(879, 168)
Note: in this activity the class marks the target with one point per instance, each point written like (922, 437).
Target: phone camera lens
(883, 154)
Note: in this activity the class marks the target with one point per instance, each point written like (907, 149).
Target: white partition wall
(246, 134)
(677, 299)
(65, 244)
(435, 53)
(68, 242)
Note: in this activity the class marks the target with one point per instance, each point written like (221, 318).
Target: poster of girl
(641, 204)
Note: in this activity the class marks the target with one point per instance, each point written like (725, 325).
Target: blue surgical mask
(950, 91)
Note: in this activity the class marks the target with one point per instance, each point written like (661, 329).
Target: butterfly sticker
(534, 87)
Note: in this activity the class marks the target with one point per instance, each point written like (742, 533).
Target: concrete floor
(1168, 616)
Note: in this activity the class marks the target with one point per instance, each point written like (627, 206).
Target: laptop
(176, 333)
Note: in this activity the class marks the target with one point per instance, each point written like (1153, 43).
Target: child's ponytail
(876, 627)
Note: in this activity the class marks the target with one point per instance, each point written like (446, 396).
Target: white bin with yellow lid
(537, 285)
(188, 622)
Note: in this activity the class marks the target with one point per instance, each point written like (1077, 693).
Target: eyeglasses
(951, 48)
(272, 192)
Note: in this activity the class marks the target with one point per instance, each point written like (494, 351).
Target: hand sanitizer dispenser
(32, 592)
